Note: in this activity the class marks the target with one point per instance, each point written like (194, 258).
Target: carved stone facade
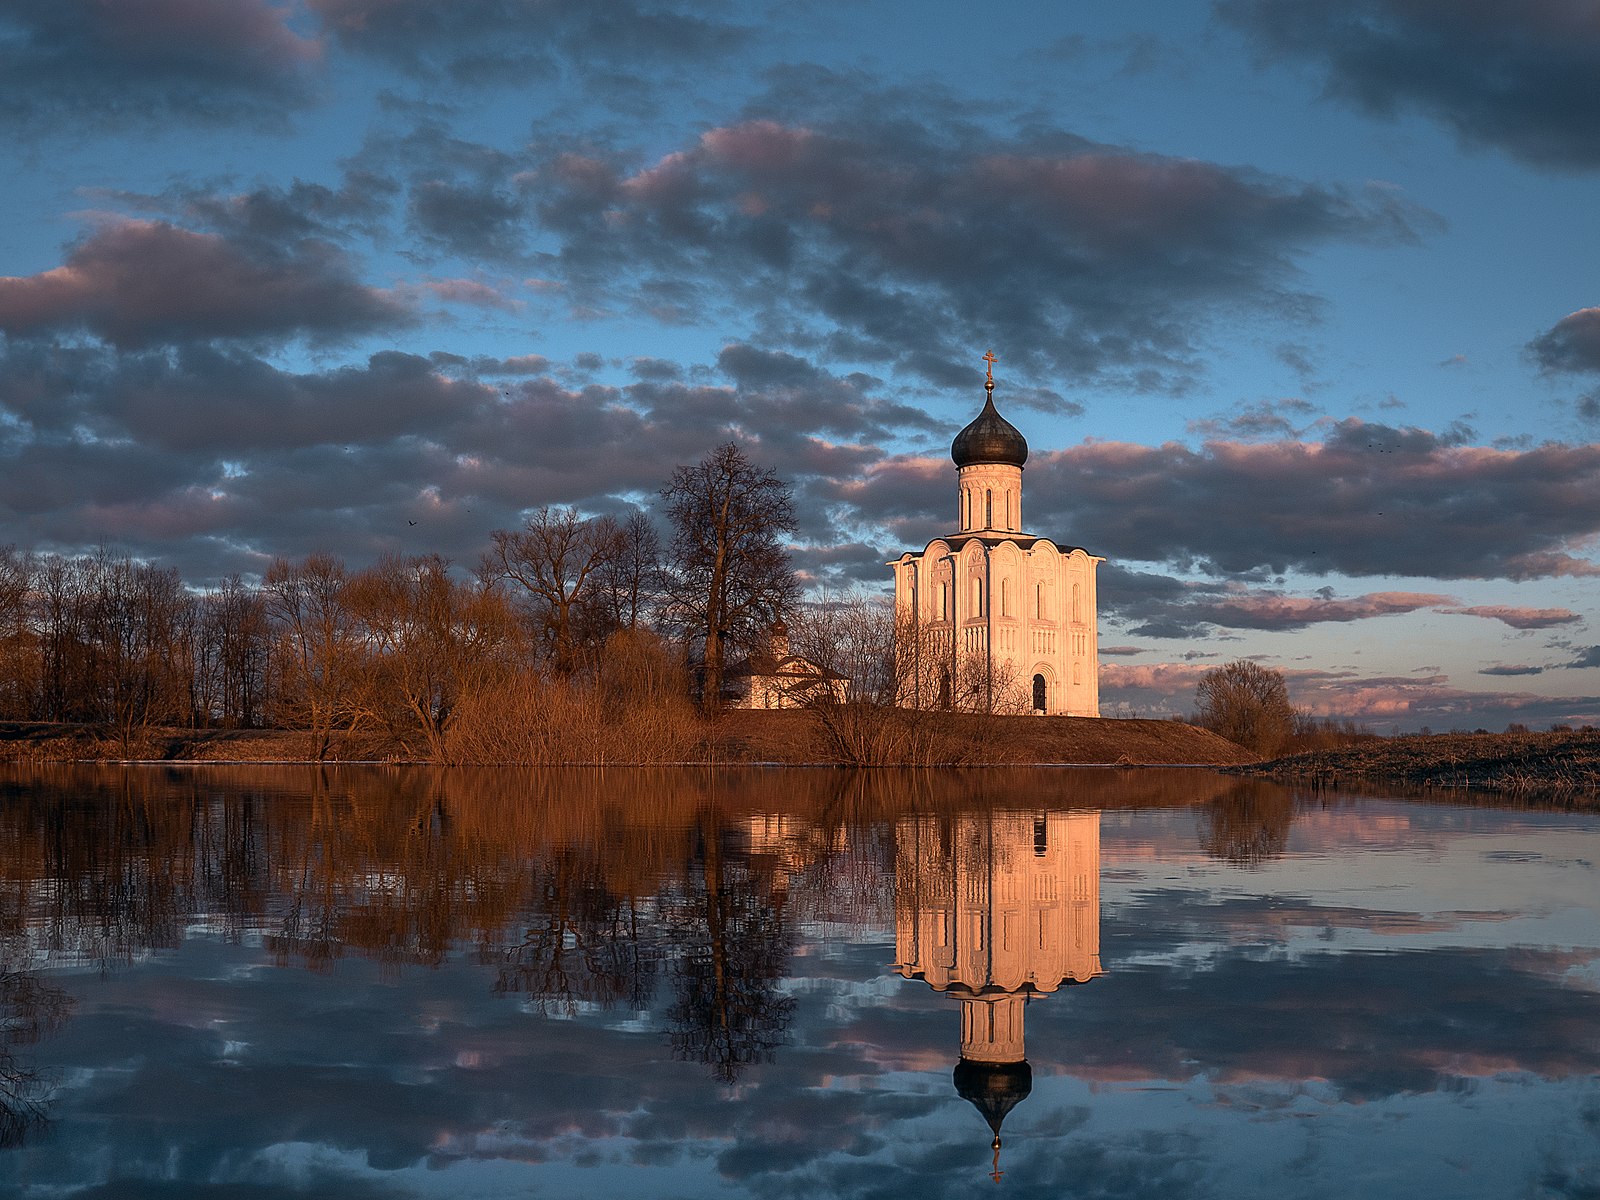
(991, 618)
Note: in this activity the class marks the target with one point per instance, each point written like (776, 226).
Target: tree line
(601, 609)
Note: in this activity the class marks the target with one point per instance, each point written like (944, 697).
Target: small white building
(779, 679)
(990, 618)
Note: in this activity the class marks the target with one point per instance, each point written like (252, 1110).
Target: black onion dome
(990, 438)
(994, 1089)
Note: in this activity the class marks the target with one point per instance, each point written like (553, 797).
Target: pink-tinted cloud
(1518, 618)
(868, 232)
(471, 292)
(1365, 500)
(137, 282)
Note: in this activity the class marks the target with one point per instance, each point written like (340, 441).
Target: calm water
(244, 982)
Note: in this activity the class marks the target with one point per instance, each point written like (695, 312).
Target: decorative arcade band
(997, 909)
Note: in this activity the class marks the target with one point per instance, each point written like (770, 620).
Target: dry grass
(960, 739)
(1523, 764)
(530, 725)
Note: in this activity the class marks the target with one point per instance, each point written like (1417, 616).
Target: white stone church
(992, 619)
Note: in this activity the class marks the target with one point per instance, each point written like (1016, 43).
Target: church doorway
(1039, 694)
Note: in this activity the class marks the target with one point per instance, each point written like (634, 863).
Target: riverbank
(1523, 764)
(738, 737)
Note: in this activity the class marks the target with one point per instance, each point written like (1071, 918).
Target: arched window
(977, 597)
(1039, 693)
(1077, 603)
(1009, 524)
(1005, 597)
(1038, 600)
(966, 508)
(1077, 672)
(944, 601)
(988, 508)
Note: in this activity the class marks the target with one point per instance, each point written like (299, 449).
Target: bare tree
(630, 580)
(1246, 703)
(319, 640)
(18, 646)
(428, 636)
(556, 557)
(728, 576)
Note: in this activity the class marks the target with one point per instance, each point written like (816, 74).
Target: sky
(1294, 303)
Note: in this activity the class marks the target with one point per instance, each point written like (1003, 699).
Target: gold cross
(991, 360)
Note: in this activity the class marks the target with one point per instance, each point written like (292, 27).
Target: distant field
(1532, 764)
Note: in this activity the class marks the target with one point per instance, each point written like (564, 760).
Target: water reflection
(630, 983)
(995, 909)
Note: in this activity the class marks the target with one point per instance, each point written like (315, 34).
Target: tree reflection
(730, 948)
(1249, 824)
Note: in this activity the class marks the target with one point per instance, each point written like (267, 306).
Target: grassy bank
(738, 737)
(1527, 764)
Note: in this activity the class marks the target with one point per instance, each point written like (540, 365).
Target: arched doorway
(1039, 694)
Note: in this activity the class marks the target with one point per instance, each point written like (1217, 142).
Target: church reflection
(995, 909)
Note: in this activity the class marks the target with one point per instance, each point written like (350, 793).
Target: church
(989, 618)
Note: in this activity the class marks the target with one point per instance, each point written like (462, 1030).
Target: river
(360, 982)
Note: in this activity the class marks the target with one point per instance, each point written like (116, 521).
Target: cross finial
(991, 360)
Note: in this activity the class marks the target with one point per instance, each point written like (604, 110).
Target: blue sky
(1294, 304)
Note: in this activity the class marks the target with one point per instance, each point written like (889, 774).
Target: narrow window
(1038, 600)
(1038, 693)
(1077, 603)
(977, 597)
(1077, 672)
(1005, 597)
(988, 508)
(1009, 524)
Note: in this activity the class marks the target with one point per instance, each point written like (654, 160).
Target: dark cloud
(1586, 658)
(141, 61)
(1513, 670)
(133, 283)
(493, 42)
(1520, 77)
(876, 237)
(1366, 500)
(1519, 618)
(1234, 607)
(213, 458)
(1571, 345)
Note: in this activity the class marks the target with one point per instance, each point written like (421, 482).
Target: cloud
(1587, 658)
(145, 61)
(877, 236)
(1365, 500)
(470, 292)
(1518, 618)
(1519, 77)
(134, 283)
(1571, 345)
(214, 459)
(494, 42)
(1516, 670)
(1264, 421)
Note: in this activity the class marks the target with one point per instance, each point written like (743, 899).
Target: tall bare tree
(728, 576)
(319, 640)
(556, 557)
